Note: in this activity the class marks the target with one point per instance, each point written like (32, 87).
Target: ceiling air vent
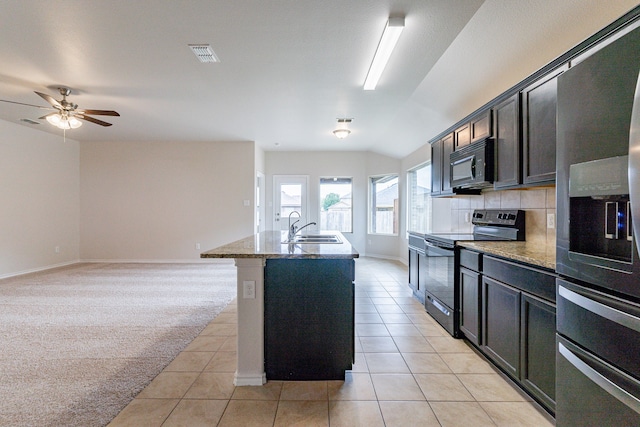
(204, 53)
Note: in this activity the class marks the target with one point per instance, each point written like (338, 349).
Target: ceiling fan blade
(47, 115)
(99, 112)
(28, 105)
(92, 120)
(49, 99)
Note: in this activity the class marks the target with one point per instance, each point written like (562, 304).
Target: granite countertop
(268, 244)
(541, 255)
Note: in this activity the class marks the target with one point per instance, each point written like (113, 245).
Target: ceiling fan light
(54, 119)
(74, 123)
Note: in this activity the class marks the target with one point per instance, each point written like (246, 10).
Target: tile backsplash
(537, 202)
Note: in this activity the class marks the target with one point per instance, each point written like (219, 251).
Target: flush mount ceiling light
(204, 53)
(390, 37)
(342, 131)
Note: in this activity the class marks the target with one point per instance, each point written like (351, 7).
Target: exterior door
(289, 196)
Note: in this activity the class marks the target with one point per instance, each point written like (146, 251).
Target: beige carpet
(77, 344)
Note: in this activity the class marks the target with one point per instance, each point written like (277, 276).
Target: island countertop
(268, 244)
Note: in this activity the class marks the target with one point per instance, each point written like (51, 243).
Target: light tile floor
(408, 372)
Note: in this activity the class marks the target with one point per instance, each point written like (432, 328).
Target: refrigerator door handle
(603, 382)
(634, 161)
(610, 313)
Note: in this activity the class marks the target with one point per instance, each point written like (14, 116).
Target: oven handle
(437, 250)
(603, 382)
(610, 313)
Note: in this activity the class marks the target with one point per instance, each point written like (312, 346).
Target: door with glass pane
(289, 196)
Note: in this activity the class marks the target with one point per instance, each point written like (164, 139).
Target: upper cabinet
(440, 173)
(539, 106)
(478, 128)
(508, 143)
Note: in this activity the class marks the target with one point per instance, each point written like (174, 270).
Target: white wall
(358, 165)
(39, 176)
(156, 200)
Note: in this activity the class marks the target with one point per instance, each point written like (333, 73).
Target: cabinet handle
(610, 313)
(603, 382)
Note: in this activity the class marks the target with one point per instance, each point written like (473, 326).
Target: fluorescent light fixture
(390, 37)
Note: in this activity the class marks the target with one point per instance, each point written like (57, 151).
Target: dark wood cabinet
(309, 318)
(501, 325)
(538, 344)
(508, 143)
(507, 310)
(417, 263)
(470, 305)
(440, 173)
(539, 106)
(462, 136)
(481, 126)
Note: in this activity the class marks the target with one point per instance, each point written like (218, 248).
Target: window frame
(373, 180)
(350, 178)
(409, 203)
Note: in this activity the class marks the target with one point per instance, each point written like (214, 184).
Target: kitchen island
(295, 306)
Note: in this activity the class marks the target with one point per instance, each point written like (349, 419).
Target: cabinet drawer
(471, 260)
(531, 280)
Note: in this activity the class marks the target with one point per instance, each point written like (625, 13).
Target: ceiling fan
(66, 113)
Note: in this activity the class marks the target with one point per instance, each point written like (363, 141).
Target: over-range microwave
(472, 167)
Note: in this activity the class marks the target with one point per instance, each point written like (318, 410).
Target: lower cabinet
(501, 314)
(309, 318)
(470, 283)
(507, 310)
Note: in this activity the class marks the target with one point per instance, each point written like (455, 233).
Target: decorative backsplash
(537, 202)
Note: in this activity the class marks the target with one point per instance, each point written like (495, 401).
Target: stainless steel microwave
(472, 166)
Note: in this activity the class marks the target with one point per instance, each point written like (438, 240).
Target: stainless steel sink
(315, 238)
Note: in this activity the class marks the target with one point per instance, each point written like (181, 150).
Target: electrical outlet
(551, 220)
(247, 202)
(467, 217)
(197, 246)
(249, 289)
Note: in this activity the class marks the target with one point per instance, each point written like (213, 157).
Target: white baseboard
(39, 269)
(390, 258)
(161, 261)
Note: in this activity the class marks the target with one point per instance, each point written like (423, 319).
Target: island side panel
(309, 318)
(250, 369)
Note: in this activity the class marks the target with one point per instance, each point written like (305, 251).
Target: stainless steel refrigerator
(598, 197)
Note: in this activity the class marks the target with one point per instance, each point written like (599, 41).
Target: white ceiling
(288, 70)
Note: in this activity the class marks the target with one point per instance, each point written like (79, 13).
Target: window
(418, 194)
(383, 217)
(336, 204)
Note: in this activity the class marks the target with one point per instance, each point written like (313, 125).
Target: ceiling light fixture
(64, 120)
(390, 37)
(342, 131)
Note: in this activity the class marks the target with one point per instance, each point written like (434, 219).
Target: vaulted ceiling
(288, 68)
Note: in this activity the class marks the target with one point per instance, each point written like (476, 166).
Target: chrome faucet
(293, 229)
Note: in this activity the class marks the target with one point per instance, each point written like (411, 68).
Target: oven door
(439, 283)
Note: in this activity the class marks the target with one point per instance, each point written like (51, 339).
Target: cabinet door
(436, 168)
(508, 143)
(539, 106)
(538, 349)
(413, 269)
(501, 325)
(470, 307)
(462, 136)
(447, 149)
(480, 126)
